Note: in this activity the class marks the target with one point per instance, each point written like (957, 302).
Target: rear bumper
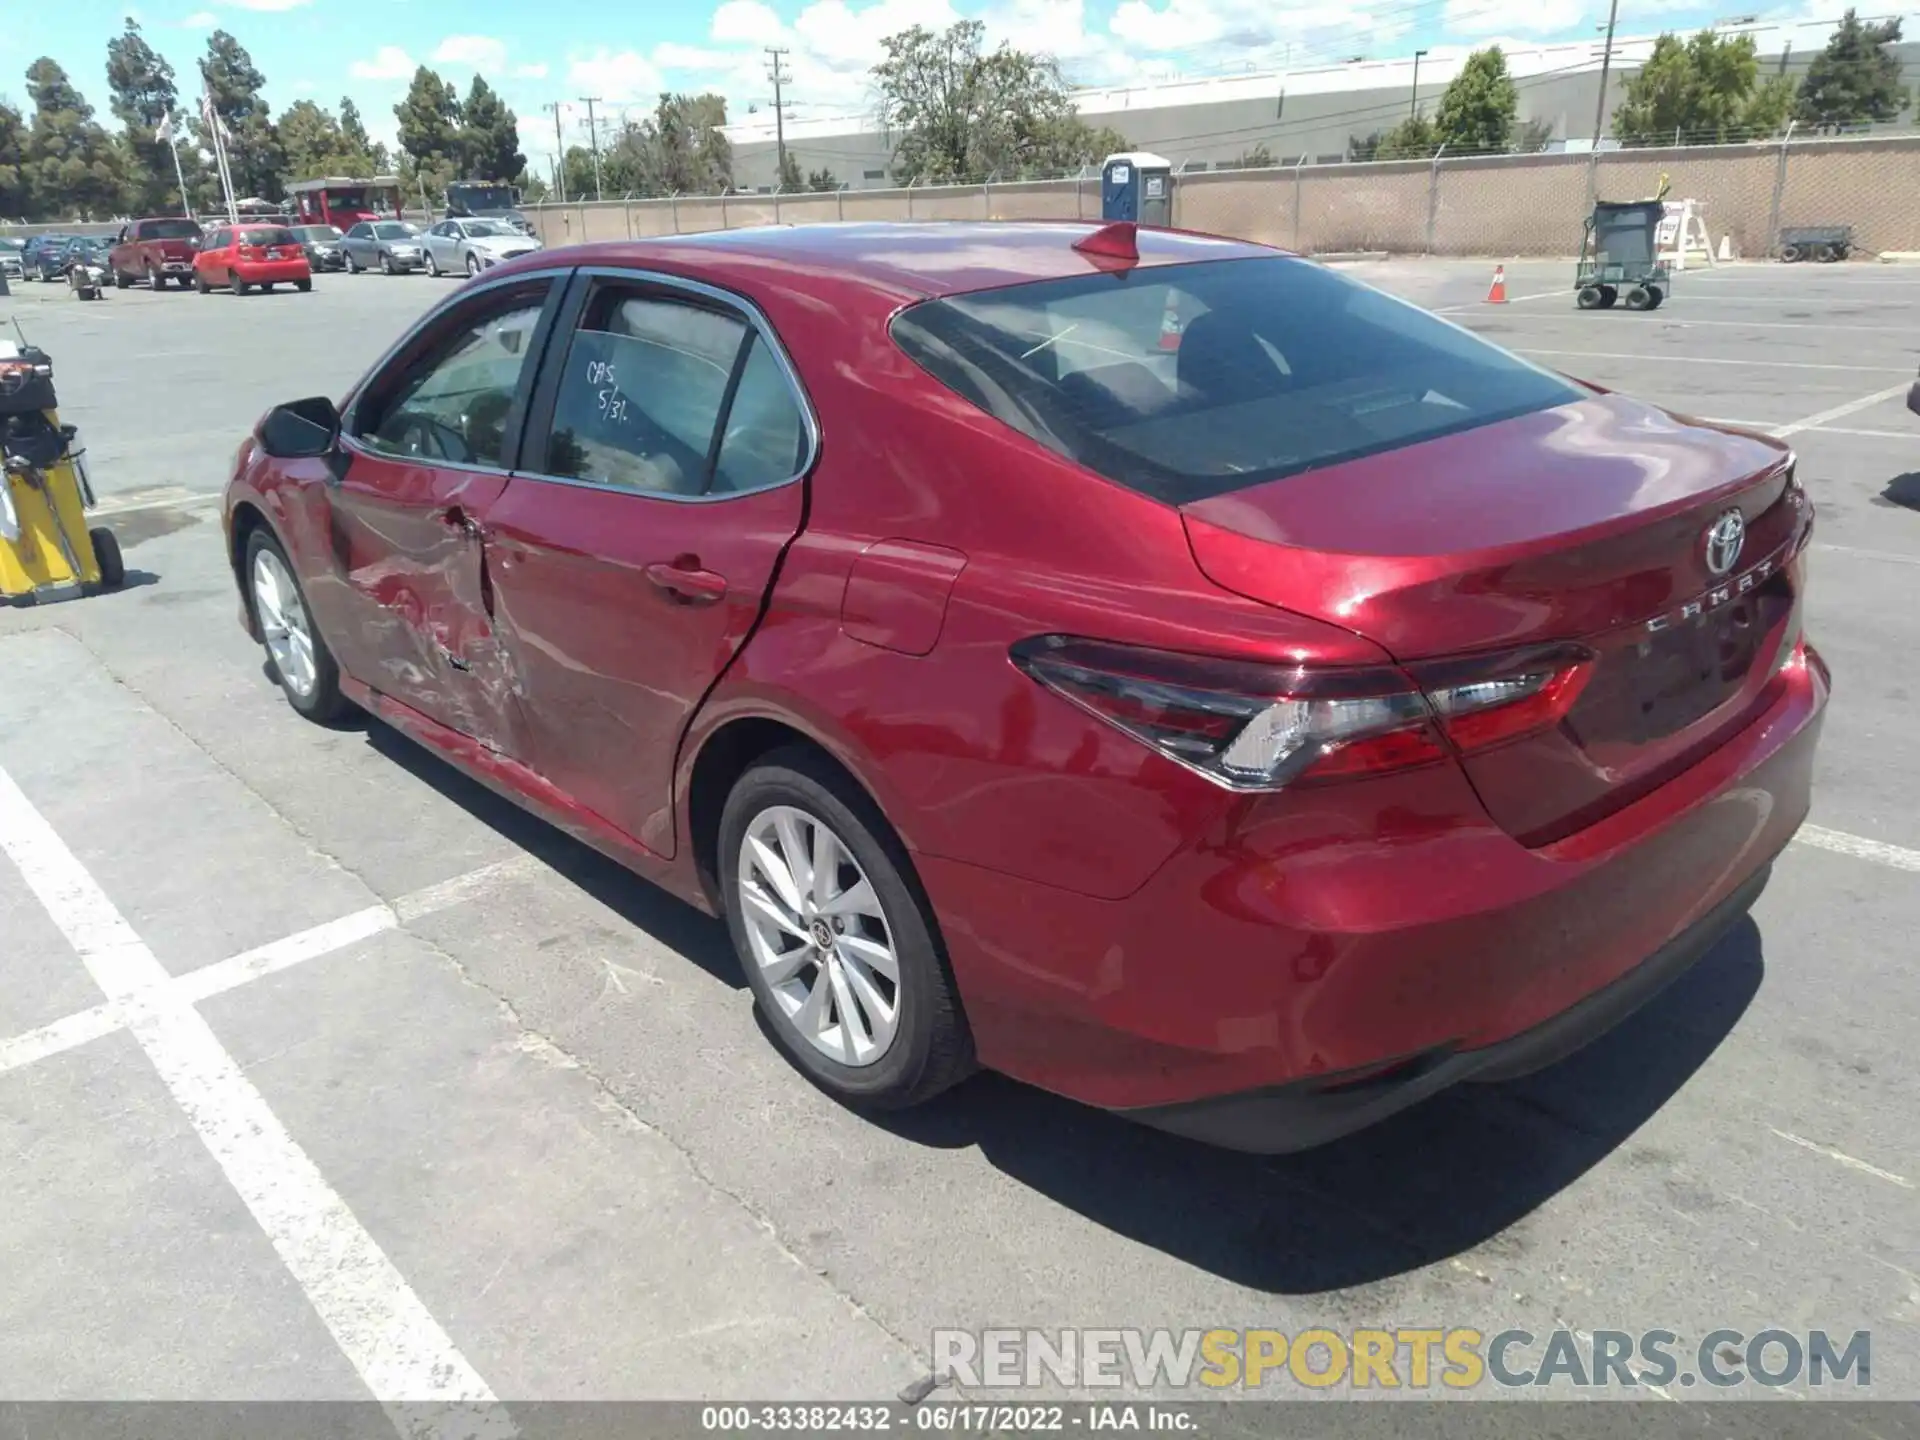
(269, 272)
(1305, 942)
(1312, 1112)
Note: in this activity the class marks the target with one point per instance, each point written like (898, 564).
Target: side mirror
(301, 429)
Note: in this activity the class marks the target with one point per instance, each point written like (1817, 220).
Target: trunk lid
(1586, 523)
(179, 250)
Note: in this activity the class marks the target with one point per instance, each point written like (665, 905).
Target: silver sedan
(471, 246)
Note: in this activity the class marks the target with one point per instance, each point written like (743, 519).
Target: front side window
(640, 395)
(451, 403)
(362, 231)
(1185, 381)
(394, 230)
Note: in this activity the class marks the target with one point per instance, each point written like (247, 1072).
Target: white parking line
(263, 960)
(1845, 1159)
(1886, 555)
(1840, 412)
(1839, 842)
(396, 1346)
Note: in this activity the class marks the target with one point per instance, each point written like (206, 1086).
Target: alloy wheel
(816, 929)
(283, 623)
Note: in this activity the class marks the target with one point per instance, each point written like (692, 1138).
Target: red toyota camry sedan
(1153, 666)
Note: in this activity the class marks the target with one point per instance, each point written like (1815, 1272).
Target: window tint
(268, 235)
(765, 440)
(1193, 380)
(452, 403)
(215, 241)
(361, 231)
(394, 230)
(641, 392)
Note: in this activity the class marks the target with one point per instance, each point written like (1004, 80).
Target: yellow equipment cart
(46, 550)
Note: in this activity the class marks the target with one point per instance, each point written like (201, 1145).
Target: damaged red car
(1159, 668)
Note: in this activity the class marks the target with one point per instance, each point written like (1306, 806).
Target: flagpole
(173, 144)
(215, 130)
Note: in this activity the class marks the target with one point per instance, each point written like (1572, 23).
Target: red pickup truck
(155, 250)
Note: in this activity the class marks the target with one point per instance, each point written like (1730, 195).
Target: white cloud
(482, 52)
(200, 20)
(535, 71)
(846, 37)
(266, 4)
(616, 75)
(389, 62)
(744, 22)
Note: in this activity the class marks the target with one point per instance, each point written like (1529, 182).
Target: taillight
(1252, 726)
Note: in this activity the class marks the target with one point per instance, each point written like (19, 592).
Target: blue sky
(562, 50)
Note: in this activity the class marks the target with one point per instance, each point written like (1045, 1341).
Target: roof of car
(916, 259)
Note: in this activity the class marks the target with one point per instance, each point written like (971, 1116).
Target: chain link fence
(1495, 205)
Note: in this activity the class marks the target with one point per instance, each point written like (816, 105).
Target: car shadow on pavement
(671, 921)
(1902, 490)
(1432, 1182)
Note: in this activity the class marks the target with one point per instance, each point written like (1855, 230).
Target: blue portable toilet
(1137, 186)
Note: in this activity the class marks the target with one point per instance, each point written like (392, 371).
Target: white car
(473, 245)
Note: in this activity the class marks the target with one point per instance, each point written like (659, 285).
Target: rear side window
(644, 383)
(168, 230)
(1186, 381)
(766, 440)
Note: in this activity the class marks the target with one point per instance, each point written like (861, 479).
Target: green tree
(73, 169)
(489, 136)
(576, 173)
(962, 113)
(790, 177)
(369, 158)
(1414, 138)
(14, 199)
(1855, 79)
(234, 83)
(1258, 158)
(144, 99)
(316, 145)
(1702, 90)
(822, 180)
(1477, 108)
(429, 119)
(1532, 137)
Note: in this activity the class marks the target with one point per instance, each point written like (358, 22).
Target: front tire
(200, 283)
(386, 265)
(473, 264)
(837, 940)
(297, 654)
(433, 265)
(303, 286)
(121, 280)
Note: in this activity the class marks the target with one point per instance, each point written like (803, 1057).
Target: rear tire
(303, 286)
(928, 1048)
(1791, 254)
(1656, 297)
(240, 287)
(1826, 254)
(200, 284)
(1591, 297)
(106, 550)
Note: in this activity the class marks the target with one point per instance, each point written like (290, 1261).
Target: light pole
(1606, 64)
(1413, 104)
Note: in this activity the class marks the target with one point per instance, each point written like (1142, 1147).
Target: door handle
(687, 582)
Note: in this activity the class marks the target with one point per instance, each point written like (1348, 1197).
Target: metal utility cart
(1824, 243)
(1620, 253)
(46, 550)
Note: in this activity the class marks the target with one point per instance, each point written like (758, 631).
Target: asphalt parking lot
(329, 1075)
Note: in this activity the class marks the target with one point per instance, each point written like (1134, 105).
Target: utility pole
(1606, 64)
(593, 142)
(778, 74)
(559, 150)
(1413, 105)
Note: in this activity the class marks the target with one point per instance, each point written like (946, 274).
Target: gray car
(10, 262)
(473, 245)
(391, 246)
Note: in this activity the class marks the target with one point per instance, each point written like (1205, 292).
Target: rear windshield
(317, 232)
(169, 230)
(1187, 381)
(268, 235)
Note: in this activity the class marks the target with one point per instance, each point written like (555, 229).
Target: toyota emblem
(1724, 539)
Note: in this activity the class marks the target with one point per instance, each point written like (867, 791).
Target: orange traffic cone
(1170, 324)
(1497, 293)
